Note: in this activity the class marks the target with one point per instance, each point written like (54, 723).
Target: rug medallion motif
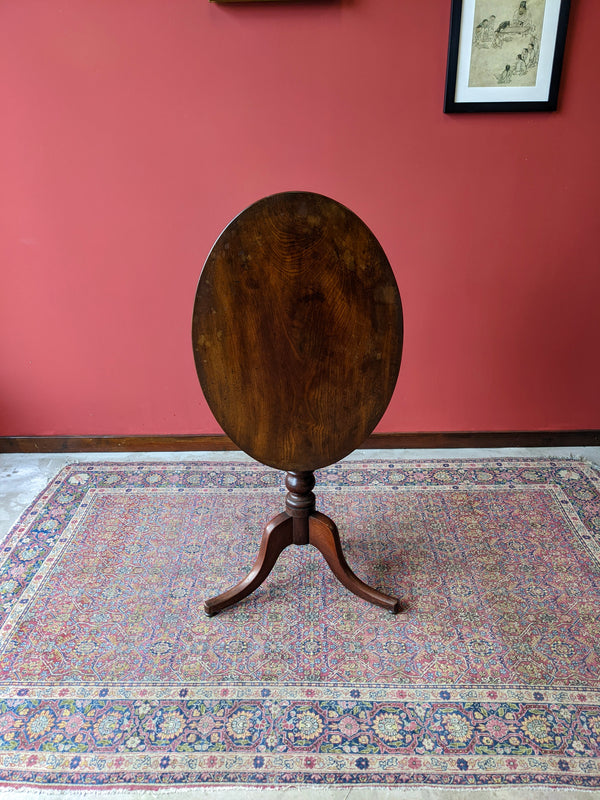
(112, 675)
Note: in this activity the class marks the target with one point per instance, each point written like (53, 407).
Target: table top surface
(297, 331)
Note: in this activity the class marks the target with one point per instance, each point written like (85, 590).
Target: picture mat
(477, 94)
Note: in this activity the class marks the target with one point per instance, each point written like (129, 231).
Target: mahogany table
(297, 338)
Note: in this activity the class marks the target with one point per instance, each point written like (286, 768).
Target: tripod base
(300, 524)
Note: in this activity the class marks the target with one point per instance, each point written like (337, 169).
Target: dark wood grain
(297, 331)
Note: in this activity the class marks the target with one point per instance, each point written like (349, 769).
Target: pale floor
(23, 476)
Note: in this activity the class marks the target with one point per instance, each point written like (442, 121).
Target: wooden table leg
(300, 524)
(324, 535)
(277, 535)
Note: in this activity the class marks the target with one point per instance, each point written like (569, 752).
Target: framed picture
(505, 55)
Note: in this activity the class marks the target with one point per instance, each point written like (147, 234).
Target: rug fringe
(246, 792)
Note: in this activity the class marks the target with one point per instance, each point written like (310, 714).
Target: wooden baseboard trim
(383, 441)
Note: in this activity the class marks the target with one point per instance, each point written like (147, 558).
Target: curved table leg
(277, 535)
(324, 535)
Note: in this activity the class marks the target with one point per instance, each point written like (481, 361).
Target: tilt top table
(297, 339)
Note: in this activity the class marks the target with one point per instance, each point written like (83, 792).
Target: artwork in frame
(505, 55)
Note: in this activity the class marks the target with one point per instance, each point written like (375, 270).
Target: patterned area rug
(111, 674)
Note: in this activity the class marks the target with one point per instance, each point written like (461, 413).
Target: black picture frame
(472, 84)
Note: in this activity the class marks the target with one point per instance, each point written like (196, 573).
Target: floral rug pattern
(112, 675)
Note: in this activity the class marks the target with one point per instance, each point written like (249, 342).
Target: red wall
(134, 130)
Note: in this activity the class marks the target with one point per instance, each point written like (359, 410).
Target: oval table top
(297, 331)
